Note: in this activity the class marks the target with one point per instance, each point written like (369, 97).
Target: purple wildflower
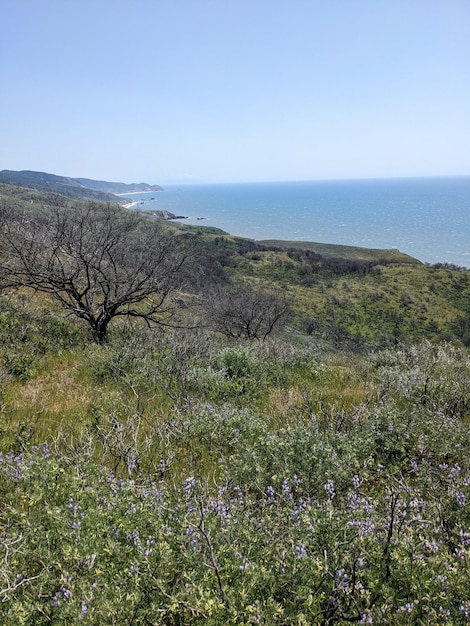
(189, 485)
(300, 551)
(329, 487)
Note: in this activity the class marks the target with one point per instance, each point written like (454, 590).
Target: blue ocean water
(428, 218)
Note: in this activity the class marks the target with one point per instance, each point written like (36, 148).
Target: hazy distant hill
(102, 185)
(82, 188)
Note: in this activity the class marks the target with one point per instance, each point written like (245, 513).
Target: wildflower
(134, 537)
(295, 515)
(55, 601)
(464, 538)
(46, 452)
(193, 542)
(445, 613)
(221, 509)
(189, 484)
(342, 581)
(300, 551)
(66, 593)
(286, 491)
(149, 543)
(442, 580)
(406, 608)
(72, 507)
(356, 503)
(133, 569)
(365, 527)
(132, 509)
(132, 461)
(329, 487)
(431, 546)
(356, 482)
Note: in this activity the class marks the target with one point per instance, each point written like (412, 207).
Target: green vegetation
(50, 183)
(344, 252)
(77, 188)
(197, 473)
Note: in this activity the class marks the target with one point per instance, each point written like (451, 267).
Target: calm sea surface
(428, 218)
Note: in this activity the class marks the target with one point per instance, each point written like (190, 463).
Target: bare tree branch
(246, 312)
(98, 261)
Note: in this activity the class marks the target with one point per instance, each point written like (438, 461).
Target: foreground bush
(363, 521)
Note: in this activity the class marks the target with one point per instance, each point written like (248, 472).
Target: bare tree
(99, 261)
(247, 312)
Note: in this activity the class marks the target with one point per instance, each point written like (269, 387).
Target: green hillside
(76, 188)
(346, 252)
(276, 433)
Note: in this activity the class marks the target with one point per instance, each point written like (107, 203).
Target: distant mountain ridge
(102, 185)
(80, 188)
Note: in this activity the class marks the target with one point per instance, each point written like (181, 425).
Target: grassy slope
(381, 302)
(391, 298)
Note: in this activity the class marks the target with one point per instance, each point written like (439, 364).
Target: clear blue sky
(235, 90)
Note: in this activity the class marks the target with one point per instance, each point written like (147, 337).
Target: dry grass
(51, 399)
(340, 385)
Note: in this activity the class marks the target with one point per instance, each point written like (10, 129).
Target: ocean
(428, 218)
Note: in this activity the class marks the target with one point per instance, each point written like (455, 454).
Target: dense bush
(222, 515)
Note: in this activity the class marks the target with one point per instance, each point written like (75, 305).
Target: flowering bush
(304, 524)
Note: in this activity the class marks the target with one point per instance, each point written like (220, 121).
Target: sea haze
(428, 218)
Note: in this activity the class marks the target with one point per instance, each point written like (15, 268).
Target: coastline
(133, 193)
(427, 219)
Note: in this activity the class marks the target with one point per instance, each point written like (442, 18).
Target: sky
(209, 91)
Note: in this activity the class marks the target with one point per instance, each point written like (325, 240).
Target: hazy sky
(235, 90)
